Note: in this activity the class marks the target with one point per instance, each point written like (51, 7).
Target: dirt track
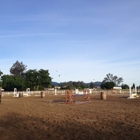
(35, 118)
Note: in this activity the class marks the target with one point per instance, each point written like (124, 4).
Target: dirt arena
(35, 118)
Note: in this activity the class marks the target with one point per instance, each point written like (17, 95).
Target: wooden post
(71, 96)
(88, 95)
(103, 96)
(42, 94)
(66, 96)
(85, 96)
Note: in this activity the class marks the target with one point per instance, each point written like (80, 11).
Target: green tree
(133, 86)
(107, 85)
(1, 73)
(31, 79)
(91, 85)
(125, 86)
(37, 80)
(69, 85)
(44, 80)
(9, 82)
(73, 85)
(18, 68)
(110, 78)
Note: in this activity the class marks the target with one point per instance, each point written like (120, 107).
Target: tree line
(21, 79)
(39, 79)
(111, 81)
(76, 85)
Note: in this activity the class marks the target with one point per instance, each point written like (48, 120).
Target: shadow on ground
(14, 126)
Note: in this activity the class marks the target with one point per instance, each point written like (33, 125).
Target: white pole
(55, 91)
(130, 91)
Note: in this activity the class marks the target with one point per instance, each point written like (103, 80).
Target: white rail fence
(61, 92)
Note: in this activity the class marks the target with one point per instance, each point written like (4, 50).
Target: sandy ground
(35, 118)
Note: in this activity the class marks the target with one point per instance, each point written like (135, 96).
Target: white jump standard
(15, 93)
(133, 95)
(27, 93)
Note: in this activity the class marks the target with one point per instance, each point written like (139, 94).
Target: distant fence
(63, 92)
(95, 91)
(12, 92)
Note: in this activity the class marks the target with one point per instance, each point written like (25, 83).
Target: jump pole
(130, 94)
(55, 90)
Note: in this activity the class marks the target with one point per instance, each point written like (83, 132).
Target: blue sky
(80, 40)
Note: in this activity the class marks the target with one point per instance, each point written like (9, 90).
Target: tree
(37, 79)
(31, 79)
(73, 85)
(91, 85)
(125, 86)
(107, 85)
(9, 82)
(44, 80)
(18, 68)
(110, 78)
(1, 73)
(133, 86)
(69, 85)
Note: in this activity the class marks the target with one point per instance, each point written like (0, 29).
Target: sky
(76, 40)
